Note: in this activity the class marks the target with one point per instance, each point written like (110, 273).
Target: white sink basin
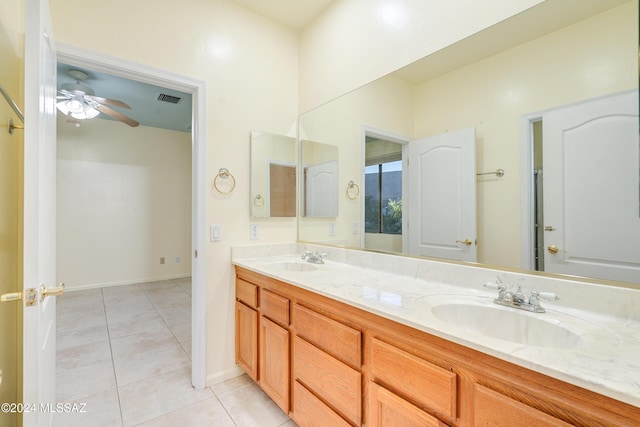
(508, 325)
(293, 266)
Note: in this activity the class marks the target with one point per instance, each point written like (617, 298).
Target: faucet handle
(549, 296)
(306, 254)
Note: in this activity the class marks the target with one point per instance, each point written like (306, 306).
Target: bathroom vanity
(339, 344)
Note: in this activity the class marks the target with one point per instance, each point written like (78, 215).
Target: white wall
(357, 41)
(249, 65)
(124, 201)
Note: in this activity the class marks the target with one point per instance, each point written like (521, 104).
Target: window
(383, 197)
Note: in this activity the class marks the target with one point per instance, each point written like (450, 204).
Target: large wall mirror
(273, 175)
(502, 83)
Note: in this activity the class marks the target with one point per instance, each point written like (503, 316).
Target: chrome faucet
(314, 258)
(518, 300)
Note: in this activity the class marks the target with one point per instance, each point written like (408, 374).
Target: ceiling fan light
(75, 106)
(62, 106)
(86, 113)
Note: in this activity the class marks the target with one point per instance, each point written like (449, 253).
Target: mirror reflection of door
(442, 183)
(321, 189)
(590, 155)
(282, 190)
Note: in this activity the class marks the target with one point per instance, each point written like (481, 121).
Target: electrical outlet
(332, 229)
(161, 260)
(177, 260)
(255, 232)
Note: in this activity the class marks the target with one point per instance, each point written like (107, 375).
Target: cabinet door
(247, 339)
(386, 409)
(495, 409)
(274, 362)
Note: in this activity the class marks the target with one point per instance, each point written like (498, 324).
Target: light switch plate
(215, 233)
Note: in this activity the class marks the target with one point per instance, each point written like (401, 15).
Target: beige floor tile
(140, 342)
(159, 395)
(79, 317)
(136, 322)
(182, 331)
(175, 314)
(83, 354)
(230, 384)
(186, 346)
(98, 410)
(85, 380)
(84, 335)
(79, 298)
(130, 313)
(207, 413)
(249, 406)
(140, 366)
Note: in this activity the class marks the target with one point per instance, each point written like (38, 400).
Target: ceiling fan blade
(116, 115)
(108, 101)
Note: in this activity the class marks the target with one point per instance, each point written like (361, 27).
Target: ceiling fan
(78, 102)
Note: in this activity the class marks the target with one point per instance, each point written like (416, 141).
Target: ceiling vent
(168, 98)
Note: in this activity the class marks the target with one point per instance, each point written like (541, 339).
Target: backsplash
(620, 302)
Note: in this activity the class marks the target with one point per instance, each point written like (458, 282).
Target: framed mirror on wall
(496, 82)
(273, 175)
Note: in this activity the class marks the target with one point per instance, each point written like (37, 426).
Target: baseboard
(221, 376)
(124, 282)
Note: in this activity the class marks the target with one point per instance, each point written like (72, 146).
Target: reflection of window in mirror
(383, 195)
(282, 190)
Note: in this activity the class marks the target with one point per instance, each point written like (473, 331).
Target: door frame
(527, 193)
(73, 55)
(398, 139)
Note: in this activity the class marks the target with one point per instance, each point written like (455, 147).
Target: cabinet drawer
(333, 381)
(414, 378)
(339, 340)
(247, 293)
(386, 409)
(493, 408)
(274, 307)
(310, 411)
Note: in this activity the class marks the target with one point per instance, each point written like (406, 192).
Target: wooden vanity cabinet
(247, 327)
(274, 354)
(331, 364)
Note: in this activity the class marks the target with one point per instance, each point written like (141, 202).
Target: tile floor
(125, 352)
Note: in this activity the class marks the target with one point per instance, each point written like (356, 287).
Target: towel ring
(258, 201)
(353, 190)
(224, 174)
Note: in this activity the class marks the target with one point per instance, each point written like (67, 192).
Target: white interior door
(442, 189)
(39, 211)
(321, 182)
(591, 188)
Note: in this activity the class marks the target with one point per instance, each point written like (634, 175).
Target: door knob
(553, 249)
(48, 292)
(465, 242)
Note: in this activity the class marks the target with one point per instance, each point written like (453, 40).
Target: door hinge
(195, 253)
